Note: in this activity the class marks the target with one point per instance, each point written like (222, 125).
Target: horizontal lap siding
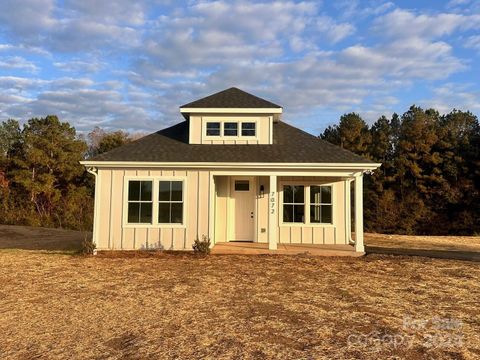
(113, 235)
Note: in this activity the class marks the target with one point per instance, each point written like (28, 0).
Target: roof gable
(231, 98)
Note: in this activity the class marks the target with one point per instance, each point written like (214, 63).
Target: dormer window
(248, 129)
(213, 129)
(230, 129)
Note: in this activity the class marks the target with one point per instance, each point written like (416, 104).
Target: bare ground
(157, 305)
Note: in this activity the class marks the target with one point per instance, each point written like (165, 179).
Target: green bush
(201, 247)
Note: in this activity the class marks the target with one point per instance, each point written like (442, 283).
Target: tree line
(429, 181)
(41, 180)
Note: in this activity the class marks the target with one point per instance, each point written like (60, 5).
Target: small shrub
(88, 246)
(201, 247)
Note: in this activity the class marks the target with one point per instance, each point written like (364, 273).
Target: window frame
(139, 201)
(320, 204)
(222, 135)
(307, 185)
(220, 129)
(248, 136)
(155, 198)
(170, 202)
(304, 203)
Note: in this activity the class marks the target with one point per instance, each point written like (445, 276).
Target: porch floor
(251, 248)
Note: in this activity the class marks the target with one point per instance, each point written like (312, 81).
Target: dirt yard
(152, 305)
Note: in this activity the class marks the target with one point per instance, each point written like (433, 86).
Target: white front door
(242, 194)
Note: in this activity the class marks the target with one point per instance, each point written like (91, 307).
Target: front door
(243, 198)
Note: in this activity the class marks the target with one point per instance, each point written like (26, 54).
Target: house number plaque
(272, 203)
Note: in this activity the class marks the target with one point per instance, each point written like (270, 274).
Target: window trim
(220, 129)
(307, 185)
(139, 202)
(248, 136)
(223, 137)
(155, 198)
(304, 203)
(171, 202)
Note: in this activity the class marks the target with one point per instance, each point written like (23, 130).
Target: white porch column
(359, 213)
(272, 213)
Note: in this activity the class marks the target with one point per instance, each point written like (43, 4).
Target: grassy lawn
(155, 305)
(179, 306)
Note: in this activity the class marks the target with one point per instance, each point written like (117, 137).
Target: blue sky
(123, 64)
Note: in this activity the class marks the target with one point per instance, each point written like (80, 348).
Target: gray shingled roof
(290, 145)
(231, 98)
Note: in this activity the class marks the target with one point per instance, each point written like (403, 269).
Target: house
(233, 171)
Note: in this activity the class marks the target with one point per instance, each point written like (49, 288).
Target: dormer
(231, 116)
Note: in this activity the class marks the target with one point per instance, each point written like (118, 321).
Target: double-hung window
(140, 202)
(308, 204)
(248, 129)
(170, 202)
(230, 129)
(293, 203)
(213, 129)
(321, 204)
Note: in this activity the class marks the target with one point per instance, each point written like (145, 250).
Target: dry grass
(181, 306)
(452, 243)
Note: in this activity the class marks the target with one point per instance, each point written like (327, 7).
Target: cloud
(473, 42)
(17, 63)
(403, 23)
(454, 96)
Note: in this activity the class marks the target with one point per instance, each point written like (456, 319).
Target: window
(242, 185)
(170, 202)
(213, 129)
(321, 204)
(248, 129)
(293, 203)
(140, 202)
(230, 129)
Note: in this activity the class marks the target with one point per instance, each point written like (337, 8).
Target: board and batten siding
(264, 129)
(114, 236)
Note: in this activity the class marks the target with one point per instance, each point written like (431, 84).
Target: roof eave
(192, 110)
(233, 165)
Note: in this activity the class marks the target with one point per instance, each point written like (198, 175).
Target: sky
(123, 64)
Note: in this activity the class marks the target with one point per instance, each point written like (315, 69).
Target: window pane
(242, 185)
(326, 214)
(146, 190)
(298, 213)
(133, 212)
(287, 213)
(248, 129)
(314, 194)
(177, 213)
(326, 194)
(230, 129)
(287, 194)
(134, 190)
(213, 128)
(146, 213)
(164, 213)
(315, 214)
(176, 191)
(299, 194)
(164, 191)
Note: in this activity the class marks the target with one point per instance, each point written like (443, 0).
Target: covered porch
(254, 212)
(251, 248)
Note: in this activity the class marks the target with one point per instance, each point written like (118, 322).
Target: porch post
(272, 213)
(359, 213)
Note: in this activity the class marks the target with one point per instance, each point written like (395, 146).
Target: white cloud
(473, 42)
(17, 63)
(403, 23)
(454, 96)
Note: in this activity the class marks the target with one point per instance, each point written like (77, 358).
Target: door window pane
(242, 185)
